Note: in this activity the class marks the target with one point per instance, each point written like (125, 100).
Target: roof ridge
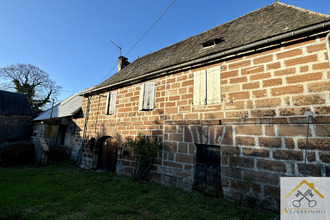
(240, 17)
(302, 9)
(262, 8)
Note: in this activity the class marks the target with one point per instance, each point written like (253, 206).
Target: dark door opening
(108, 154)
(208, 167)
(61, 135)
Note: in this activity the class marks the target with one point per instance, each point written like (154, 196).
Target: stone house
(15, 117)
(232, 105)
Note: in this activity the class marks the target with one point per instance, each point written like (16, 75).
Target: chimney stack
(122, 62)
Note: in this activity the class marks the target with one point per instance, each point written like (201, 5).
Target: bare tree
(32, 81)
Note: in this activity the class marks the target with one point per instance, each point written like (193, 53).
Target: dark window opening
(213, 42)
(208, 168)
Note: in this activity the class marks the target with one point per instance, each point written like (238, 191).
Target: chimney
(122, 62)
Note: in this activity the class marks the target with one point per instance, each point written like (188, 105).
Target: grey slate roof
(271, 20)
(68, 107)
(14, 104)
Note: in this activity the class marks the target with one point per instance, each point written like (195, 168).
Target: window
(207, 86)
(328, 46)
(111, 103)
(147, 96)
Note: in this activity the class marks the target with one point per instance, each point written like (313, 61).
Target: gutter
(222, 54)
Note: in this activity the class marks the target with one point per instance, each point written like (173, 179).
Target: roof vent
(212, 42)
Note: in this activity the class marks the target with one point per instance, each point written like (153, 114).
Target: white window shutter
(147, 96)
(213, 85)
(112, 106)
(141, 97)
(199, 87)
(108, 104)
(111, 103)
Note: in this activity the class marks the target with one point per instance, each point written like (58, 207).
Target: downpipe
(306, 146)
(80, 152)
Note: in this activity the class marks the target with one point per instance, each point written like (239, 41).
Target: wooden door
(108, 154)
(208, 169)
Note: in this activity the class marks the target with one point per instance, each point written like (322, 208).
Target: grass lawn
(64, 191)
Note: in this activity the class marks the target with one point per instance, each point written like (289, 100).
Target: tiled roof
(269, 21)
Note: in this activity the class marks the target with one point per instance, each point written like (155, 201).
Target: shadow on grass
(64, 191)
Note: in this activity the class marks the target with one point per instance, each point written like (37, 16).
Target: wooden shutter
(199, 87)
(147, 96)
(113, 99)
(141, 97)
(111, 103)
(213, 85)
(108, 104)
(328, 45)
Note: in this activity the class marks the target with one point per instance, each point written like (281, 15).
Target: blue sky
(71, 39)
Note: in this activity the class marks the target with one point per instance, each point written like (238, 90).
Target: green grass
(64, 191)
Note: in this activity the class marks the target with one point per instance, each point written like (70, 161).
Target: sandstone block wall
(266, 98)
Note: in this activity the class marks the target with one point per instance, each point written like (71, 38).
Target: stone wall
(266, 98)
(73, 140)
(14, 127)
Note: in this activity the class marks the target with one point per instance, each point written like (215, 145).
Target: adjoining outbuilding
(58, 127)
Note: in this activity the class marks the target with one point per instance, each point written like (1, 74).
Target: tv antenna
(117, 46)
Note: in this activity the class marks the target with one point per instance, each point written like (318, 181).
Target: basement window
(212, 42)
(207, 86)
(328, 46)
(111, 103)
(147, 96)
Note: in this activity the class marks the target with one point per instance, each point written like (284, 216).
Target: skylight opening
(212, 42)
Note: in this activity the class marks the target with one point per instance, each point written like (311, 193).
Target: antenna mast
(117, 46)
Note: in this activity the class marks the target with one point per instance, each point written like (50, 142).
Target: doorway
(107, 158)
(208, 167)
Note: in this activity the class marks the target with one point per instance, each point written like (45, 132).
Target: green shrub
(145, 149)
(17, 153)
